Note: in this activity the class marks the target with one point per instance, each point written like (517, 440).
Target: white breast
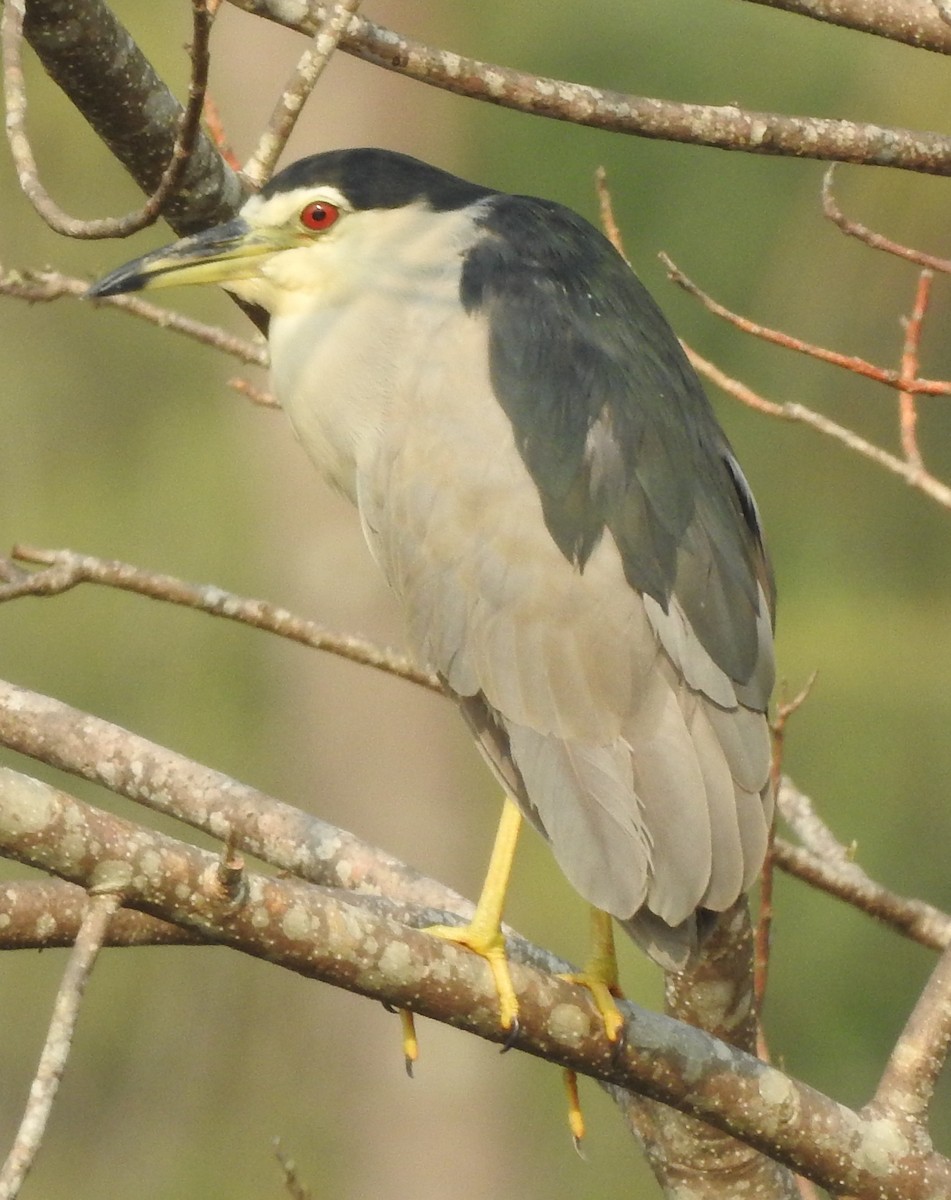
(341, 360)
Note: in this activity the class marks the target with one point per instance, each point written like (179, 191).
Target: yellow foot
(490, 945)
(603, 995)
(600, 975)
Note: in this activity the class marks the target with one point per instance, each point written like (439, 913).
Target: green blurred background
(123, 441)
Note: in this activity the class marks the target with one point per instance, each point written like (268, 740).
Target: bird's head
(321, 225)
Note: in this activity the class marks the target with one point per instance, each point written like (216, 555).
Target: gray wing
(596, 663)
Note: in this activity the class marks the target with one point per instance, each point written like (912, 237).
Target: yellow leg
(600, 974)
(483, 934)
(410, 1044)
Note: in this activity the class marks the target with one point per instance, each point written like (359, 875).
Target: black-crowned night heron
(545, 487)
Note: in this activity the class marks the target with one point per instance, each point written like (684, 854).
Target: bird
(542, 480)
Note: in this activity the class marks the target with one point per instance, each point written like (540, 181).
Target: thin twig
(292, 1182)
(14, 13)
(824, 863)
(858, 366)
(260, 166)
(59, 1041)
(216, 131)
(44, 286)
(606, 211)
(764, 922)
(256, 395)
(922, 481)
(907, 410)
(877, 241)
(65, 569)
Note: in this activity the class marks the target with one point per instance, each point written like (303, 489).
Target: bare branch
(45, 286)
(66, 569)
(58, 1043)
(260, 166)
(858, 366)
(877, 241)
(823, 862)
(88, 53)
(922, 481)
(907, 410)
(913, 22)
(132, 766)
(11, 31)
(725, 126)
(42, 914)
(908, 1083)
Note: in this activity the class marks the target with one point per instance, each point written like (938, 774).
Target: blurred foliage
(123, 441)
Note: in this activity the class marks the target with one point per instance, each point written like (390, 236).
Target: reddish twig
(11, 30)
(256, 395)
(922, 481)
(858, 366)
(907, 410)
(606, 210)
(216, 131)
(764, 922)
(876, 241)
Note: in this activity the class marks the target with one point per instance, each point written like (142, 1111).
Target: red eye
(319, 216)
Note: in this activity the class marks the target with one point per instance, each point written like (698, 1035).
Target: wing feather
(639, 757)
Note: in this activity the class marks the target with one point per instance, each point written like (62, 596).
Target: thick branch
(914, 22)
(908, 1083)
(166, 782)
(316, 933)
(88, 53)
(43, 914)
(724, 126)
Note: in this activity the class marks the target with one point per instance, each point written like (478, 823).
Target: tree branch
(260, 166)
(11, 30)
(59, 1041)
(45, 286)
(87, 52)
(823, 862)
(914, 22)
(66, 569)
(908, 1083)
(724, 126)
(316, 933)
